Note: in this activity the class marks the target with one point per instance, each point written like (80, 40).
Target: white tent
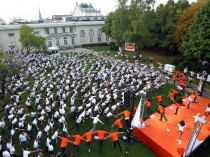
(53, 48)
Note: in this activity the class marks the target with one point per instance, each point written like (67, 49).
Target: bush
(95, 44)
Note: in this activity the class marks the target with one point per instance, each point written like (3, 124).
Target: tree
(30, 41)
(197, 44)
(8, 68)
(127, 23)
(185, 21)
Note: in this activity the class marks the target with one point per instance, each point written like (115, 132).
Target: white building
(86, 29)
(85, 9)
(63, 35)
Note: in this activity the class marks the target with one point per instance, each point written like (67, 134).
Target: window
(47, 30)
(55, 30)
(36, 32)
(91, 39)
(11, 34)
(72, 40)
(82, 33)
(91, 33)
(99, 39)
(99, 33)
(107, 38)
(71, 29)
(63, 28)
(49, 43)
(65, 41)
(57, 42)
(82, 36)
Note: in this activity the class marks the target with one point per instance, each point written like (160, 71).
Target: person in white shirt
(95, 121)
(23, 139)
(181, 127)
(26, 152)
(6, 153)
(12, 151)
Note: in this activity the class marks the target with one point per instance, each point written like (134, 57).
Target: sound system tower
(127, 99)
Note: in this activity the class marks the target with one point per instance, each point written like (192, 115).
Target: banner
(130, 46)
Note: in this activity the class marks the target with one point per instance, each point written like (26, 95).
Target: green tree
(197, 44)
(185, 21)
(127, 23)
(30, 41)
(8, 68)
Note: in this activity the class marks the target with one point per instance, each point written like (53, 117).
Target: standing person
(26, 152)
(64, 143)
(119, 124)
(88, 137)
(207, 112)
(195, 94)
(77, 140)
(148, 104)
(189, 101)
(95, 121)
(174, 79)
(171, 96)
(177, 106)
(6, 153)
(175, 92)
(101, 134)
(160, 99)
(127, 115)
(161, 110)
(114, 136)
(181, 127)
(23, 139)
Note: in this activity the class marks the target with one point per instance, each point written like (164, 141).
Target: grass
(135, 148)
(158, 56)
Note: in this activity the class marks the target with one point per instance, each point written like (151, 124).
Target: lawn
(158, 56)
(136, 148)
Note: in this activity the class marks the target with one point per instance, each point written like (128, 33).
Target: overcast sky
(28, 9)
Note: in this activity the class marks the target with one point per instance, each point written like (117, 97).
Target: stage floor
(161, 136)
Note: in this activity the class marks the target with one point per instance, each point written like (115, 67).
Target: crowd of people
(57, 94)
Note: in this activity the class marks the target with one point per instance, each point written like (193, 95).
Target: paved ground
(206, 92)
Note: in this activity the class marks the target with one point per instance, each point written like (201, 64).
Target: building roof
(86, 7)
(58, 24)
(60, 16)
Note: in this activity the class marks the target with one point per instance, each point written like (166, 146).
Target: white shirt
(26, 153)
(22, 137)
(55, 135)
(36, 144)
(181, 128)
(12, 150)
(96, 120)
(6, 154)
(50, 147)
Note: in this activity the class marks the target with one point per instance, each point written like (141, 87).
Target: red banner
(130, 46)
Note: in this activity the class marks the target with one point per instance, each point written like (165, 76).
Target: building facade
(62, 35)
(83, 27)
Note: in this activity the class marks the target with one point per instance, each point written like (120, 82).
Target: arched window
(91, 33)
(99, 34)
(82, 36)
(82, 33)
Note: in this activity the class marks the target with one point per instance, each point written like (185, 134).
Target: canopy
(53, 48)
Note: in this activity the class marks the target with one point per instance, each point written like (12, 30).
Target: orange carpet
(161, 137)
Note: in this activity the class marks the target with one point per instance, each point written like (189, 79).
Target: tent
(53, 48)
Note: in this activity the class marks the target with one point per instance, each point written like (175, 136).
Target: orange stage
(161, 137)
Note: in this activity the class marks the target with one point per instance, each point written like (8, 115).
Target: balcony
(60, 34)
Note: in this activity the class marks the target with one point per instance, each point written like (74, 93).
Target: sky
(28, 9)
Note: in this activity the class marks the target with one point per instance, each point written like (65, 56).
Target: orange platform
(161, 137)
